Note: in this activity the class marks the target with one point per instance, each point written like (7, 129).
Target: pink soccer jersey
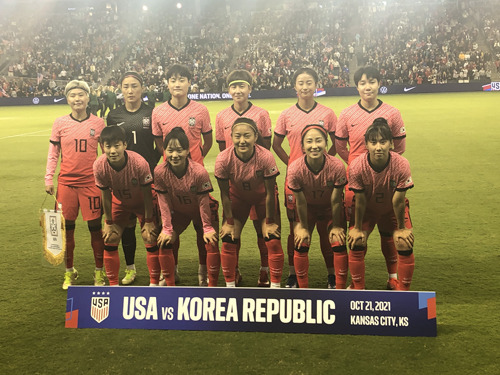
(317, 186)
(184, 193)
(193, 118)
(293, 119)
(226, 118)
(77, 142)
(354, 121)
(246, 177)
(125, 183)
(379, 187)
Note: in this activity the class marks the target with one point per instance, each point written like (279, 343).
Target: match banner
(384, 313)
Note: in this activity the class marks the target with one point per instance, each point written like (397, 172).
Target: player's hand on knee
(111, 233)
(356, 237)
(337, 234)
(211, 237)
(165, 239)
(301, 236)
(404, 239)
(148, 232)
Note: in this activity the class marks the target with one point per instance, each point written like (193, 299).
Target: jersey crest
(192, 121)
(92, 132)
(146, 122)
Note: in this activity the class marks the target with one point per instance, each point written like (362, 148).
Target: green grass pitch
(453, 146)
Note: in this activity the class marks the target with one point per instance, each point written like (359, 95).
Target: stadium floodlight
(179, 5)
(145, 8)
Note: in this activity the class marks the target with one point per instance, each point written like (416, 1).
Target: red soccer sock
(97, 244)
(153, 263)
(213, 264)
(202, 252)
(167, 263)
(70, 247)
(341, 261)
(357, 268)
(112, 263)
(264, 259)
(301, 261)
(276, 259)
(390, 253)
(406, 265)
(228, 259)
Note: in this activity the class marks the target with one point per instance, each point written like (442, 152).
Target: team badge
(290, 198)
(99, 308)
(134, 181)
(321, 123)
(92, 132)
(192, 189)
(192, 121)
(146, 122)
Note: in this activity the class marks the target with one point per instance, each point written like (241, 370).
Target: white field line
(32, 134)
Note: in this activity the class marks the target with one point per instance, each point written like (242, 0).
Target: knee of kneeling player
(227, 239)
(405, 252)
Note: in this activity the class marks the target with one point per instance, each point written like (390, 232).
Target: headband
(313, 126)
(246, 121)
(239, 81)
(132, 74)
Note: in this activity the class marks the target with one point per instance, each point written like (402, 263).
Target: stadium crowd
(431, 43)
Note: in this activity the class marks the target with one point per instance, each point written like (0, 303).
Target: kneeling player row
(246, 175)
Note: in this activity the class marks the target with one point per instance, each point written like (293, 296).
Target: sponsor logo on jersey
(402, 130)
(406, 89)
(146, 122)
(353, 125)
(192, 121)
(120, 123)
(409, 181)
(148, 178)
(273, 170)
(99, 307)
(206, 185)
(92, 132)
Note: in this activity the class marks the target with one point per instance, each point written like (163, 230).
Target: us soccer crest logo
(192, 121)
(99, 308)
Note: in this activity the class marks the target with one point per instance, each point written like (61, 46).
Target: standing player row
(194, 119)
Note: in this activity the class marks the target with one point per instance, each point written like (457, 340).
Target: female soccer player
(380, 179)
(125, 180)
(290, 124)
(135, 118)
(246, 174)
(240, 87)
(76, 137)
(317, 181)
(183, 187)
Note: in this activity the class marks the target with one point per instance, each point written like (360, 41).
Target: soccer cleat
(291, 282)
(129, 277)
(238, 278)
(69, 278)
(331, 282)
(162, 281)
(392, 284)
(263, 279)
(151, 284)
(202, 278)
(99, 278)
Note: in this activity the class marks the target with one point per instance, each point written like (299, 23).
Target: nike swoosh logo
(406, 89)
(58, 100)
(121, 123)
